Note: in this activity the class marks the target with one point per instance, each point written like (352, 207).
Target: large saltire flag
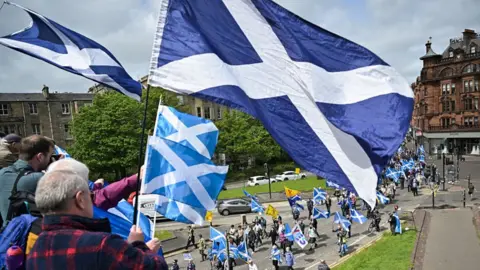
(339, 219)
(317, 93)
(186, 180)
(317, 213)
(319, 195)
(55, 44)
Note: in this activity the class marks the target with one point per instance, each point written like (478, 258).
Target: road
(305, 260)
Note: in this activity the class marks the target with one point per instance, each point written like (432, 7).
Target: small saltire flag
(266, 62)
(271, 211)
(288, 233)
(276, 255)
(339, 219)
(332, 184)
(291, 192)
(357, 217)
(233, 251)
(382, 199)
(209, 216)
(421, 150)
(194, 132)
(421, 159)
(218, 239)
(398, 223)
(256, 207)
(243, 252)
(253, 197)
(317, 213)
(57, 45)
(59, 151)
(319, 195)
(392, 174)
(407, 165)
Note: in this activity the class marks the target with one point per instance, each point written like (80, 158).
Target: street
(327, 248)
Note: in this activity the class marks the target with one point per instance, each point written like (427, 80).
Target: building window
(219, 113)
(453, 88)
(445, 122)
(452, 121)
(475, 104)
(66, 129)
(444, 89)
(199, 112)
(467, 69)
(475, 121)
(476, 85)
(468, 104)
(465, 86)
(452, 105)
(3, 109)
(472, 49)
(206, 111)
(181, 100)
(450, 54)
(36, 129)
(32, 107)
(471, 86)
(448, 88)
(65, 108)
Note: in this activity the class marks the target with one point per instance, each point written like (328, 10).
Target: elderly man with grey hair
(72, 239)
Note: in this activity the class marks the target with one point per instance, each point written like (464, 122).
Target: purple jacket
(110, 195)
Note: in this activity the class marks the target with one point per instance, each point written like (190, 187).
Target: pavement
(327, 248)
(452, 241)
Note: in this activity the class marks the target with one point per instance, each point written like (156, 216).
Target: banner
(299, 237)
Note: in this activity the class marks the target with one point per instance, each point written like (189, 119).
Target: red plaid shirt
(73, 242)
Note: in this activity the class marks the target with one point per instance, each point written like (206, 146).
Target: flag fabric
(187, 182)
(392, 174)
(339, 219)
(407, 165)
(290, 193)
(233, 251)
(319, 195)
(398, 224)
(382, 199)
(55, 44)
(276, 255)
(332, 184)
(253, 197)
(299, 237)
(271, 211)
(357, 217)
(59, 151)
(289, 233)
(293, 200)
(209, 216)
(421, 159)
(311, 89)
(317, 213)
(298, 206)
(421, 150)
(256, 207)
(194, 132)
(243, 252)
(217, 237)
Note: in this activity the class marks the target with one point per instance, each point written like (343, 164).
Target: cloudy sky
(396, 30)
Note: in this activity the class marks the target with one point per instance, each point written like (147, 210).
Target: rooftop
(39, 97)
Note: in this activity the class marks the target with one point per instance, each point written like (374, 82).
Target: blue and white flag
(382, 199)
(233, 251)
(421, 150)
(393, 174)
(59, 151)
(398, 224)
(299, 237)
(253, 197)
(288, 233)
(256, 207)
(339, 219)
(317, 213)
(311, 89)
(194, 132)
(243, 252)
(332, 184)
(53, 43)
(319, 195)
(276, 255)
(421, 159)
(219, 241)
(187, 182)
(357, 217)
(407, 165)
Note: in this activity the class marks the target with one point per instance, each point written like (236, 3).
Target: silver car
(234, 206)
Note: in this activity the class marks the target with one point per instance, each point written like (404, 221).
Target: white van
(146, 205)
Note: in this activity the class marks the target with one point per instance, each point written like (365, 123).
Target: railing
(472, 55)
(6, 118)
(453, 127)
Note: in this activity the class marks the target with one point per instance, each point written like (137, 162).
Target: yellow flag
(297, 170)
(271, 211)
(291, 192)
(209, 216)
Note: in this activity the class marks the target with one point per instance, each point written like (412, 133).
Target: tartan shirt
(73, 242)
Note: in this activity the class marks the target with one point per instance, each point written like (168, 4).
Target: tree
(107, 133)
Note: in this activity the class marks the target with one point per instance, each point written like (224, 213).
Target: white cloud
(394, 29)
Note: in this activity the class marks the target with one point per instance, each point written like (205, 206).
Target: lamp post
(267, 174)
(443, 168)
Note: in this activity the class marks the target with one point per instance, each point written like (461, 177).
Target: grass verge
(162, 235)
(390, 252)
(306, 184)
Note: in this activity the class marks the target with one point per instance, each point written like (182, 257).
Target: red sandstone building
(446, 108)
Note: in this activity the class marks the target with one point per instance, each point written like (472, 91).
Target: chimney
(45, 91)
(468, 35)
(428, 45)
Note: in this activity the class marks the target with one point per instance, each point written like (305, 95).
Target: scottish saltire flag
(421, 150)
(59, 151)
(233, 251)
(194, 132)
(317, 214)
(253, 197)
(219, 242)
(288, 233)
(332, 184)
(298, 206)
(243, 252)
(53, 43)
(400, 150)
(339, 219)
(276, 255)
(319, 195)
(392, 174)
(398, 224)
(382, 199)
(407, 165)
(256, 207)
(311, 89)
(421, 159)
(357, 216)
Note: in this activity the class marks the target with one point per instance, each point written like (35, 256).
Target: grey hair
(61, 182)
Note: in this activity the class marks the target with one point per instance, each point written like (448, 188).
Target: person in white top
(252, 265)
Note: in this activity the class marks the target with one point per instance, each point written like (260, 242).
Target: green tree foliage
(107, 133)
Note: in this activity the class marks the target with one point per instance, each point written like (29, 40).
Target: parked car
(146, 205)
(259, 180)
(290, 175)
(234, 206)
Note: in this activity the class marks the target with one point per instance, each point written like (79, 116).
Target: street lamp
(443, 166)
(267, 174)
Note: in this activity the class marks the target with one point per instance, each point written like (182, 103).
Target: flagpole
(141, 158)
